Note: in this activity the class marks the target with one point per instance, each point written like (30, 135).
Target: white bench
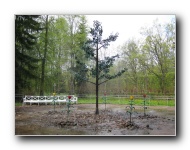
(48, 99)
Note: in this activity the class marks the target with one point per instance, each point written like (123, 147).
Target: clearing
(114, 121)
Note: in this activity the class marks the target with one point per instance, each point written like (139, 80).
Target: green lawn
(18, 104)
(124, 101)
(121, 101)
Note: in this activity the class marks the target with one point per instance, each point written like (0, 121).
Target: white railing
(48, 99)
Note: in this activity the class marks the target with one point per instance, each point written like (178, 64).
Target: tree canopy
(102, 68)
(63, 54)
(26, 27)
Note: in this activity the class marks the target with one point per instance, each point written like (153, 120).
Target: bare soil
(112, 120)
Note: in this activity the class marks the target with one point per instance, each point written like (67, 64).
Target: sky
(128, 26)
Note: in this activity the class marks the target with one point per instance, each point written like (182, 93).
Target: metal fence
(166, 99)
(152, 97)
(152, 100)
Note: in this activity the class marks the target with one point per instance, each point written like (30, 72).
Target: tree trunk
(163, 84)
(97, 111)
(44, 60)
(72, 78)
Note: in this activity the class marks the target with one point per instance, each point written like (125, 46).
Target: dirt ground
(82, 121)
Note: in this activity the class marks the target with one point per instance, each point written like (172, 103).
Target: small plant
(68, 104)
(144, 104)
(54, 94)
(131, 107)
(105, 99)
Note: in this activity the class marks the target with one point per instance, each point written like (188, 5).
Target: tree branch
(84, 79)
(90, 82)
(101, 46)
(104, 81)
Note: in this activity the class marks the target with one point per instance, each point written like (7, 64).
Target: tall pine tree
(26, 27)
(102, 66)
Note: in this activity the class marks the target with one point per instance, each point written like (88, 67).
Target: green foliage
(151, 63)
(72, 53)
(158, 50)
(91, 48)
(26, 28)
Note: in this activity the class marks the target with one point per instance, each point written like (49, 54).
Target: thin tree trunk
(97, 111)
(72, 79)
(44, 60)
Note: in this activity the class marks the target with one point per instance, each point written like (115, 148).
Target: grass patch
(120, 101)
(124, 101)
(18, 104)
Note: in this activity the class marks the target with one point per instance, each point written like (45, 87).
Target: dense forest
(49, 50)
